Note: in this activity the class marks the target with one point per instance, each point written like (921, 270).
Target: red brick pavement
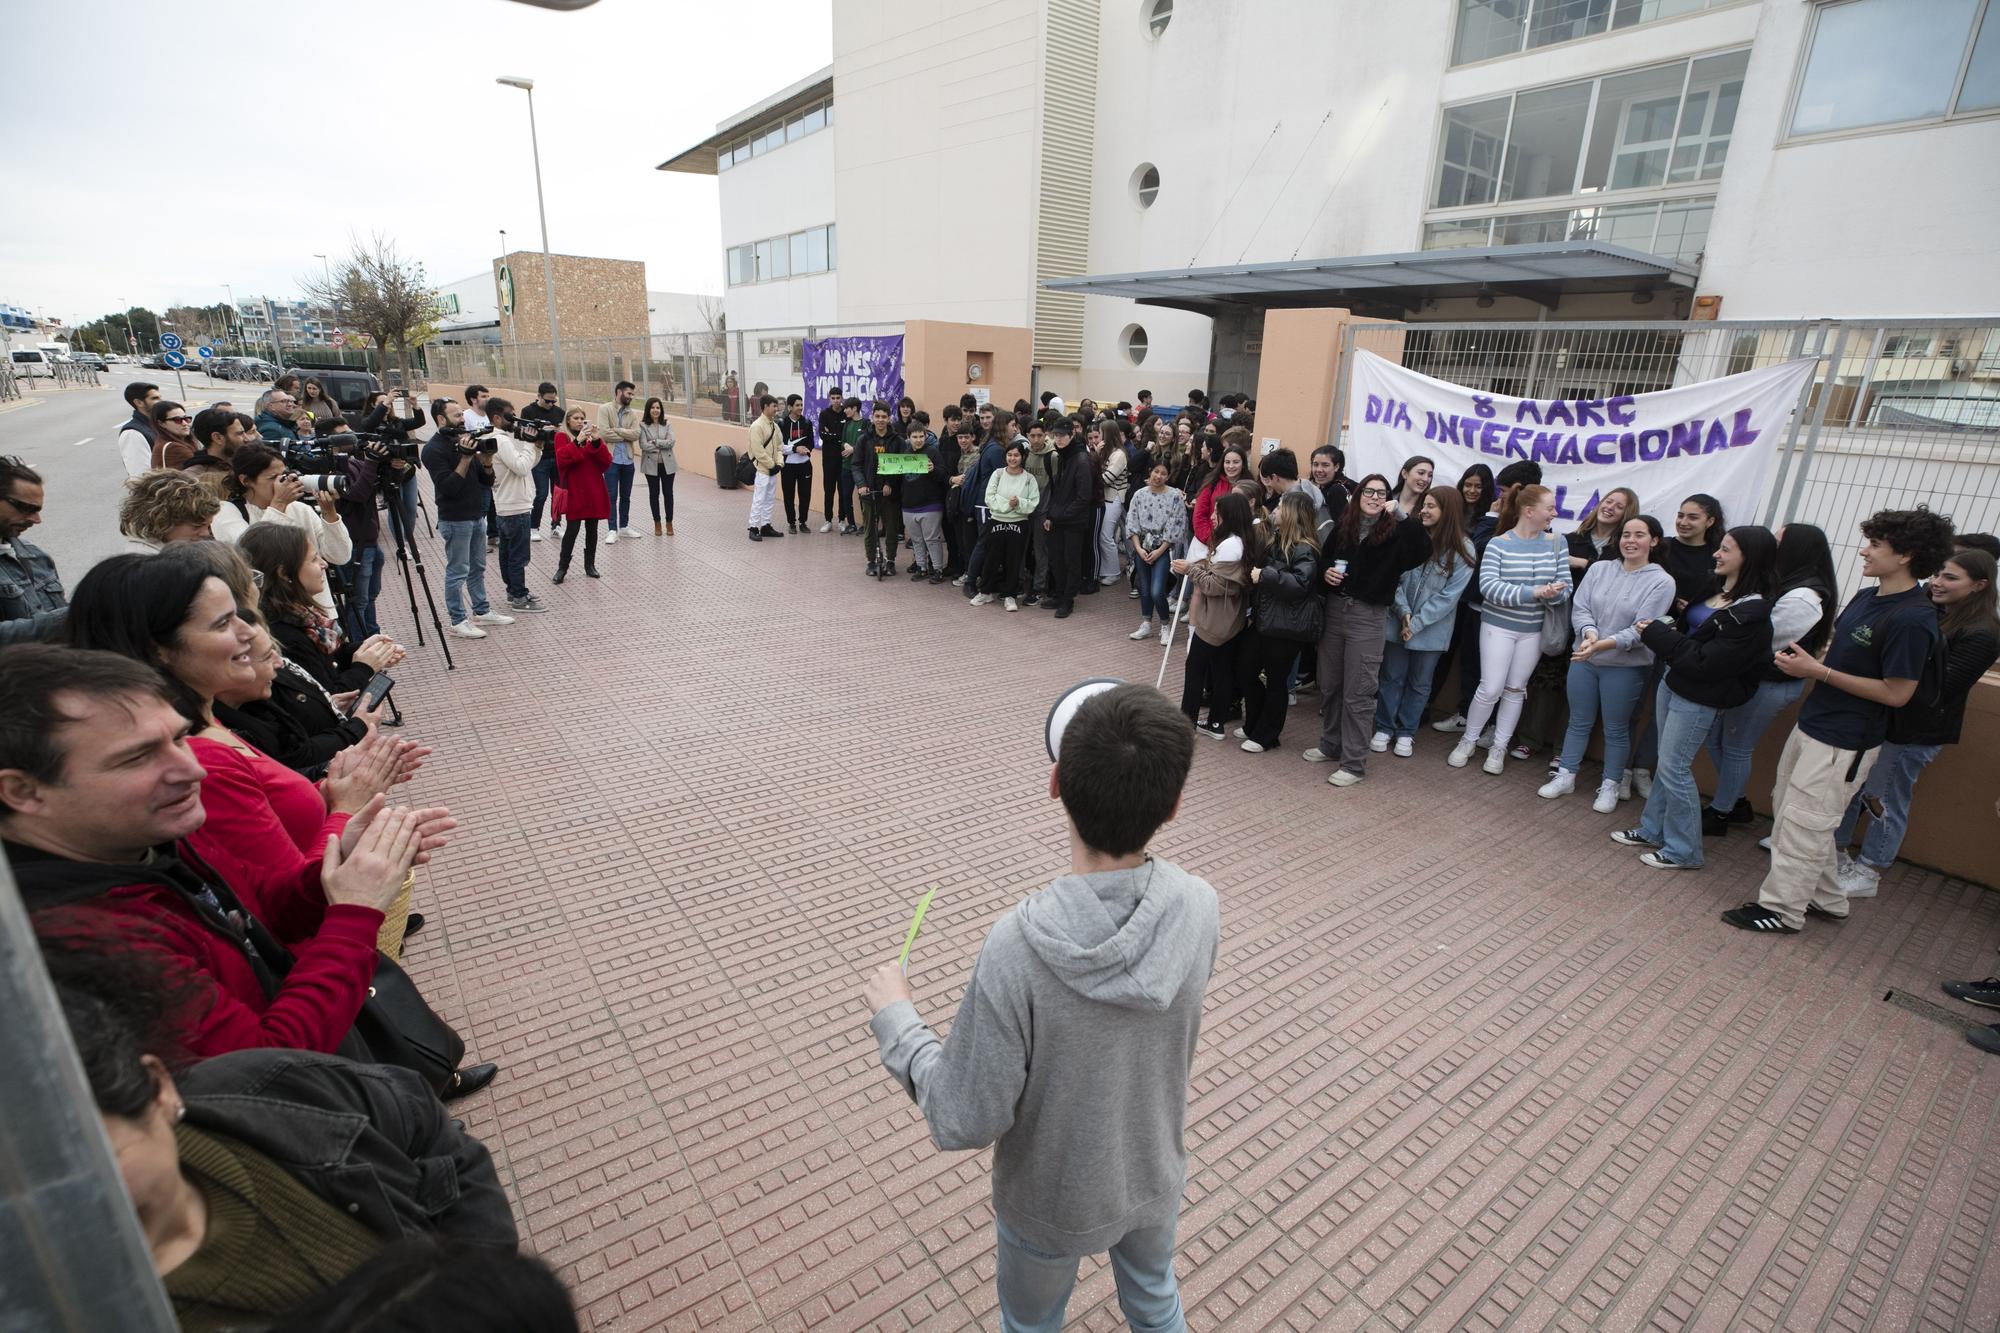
(1465, 1063)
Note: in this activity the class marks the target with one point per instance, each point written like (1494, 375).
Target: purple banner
(867, 368)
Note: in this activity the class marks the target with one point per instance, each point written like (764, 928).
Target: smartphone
(368, 698)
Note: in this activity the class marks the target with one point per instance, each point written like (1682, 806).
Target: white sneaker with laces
(1860, 880)
(1250, 747)
(633, 534)
(1642, 782)
(1315, 756)
(826, 526)
(1340, 777)
(1166, 637)
(1607, 797)
(465, 629)
(1496, 761)
(1562, 784)
(1013, 605)
(1145, 631)
(1456, 722)
(1379, 742)
(1240, 734)
(1461, 754)
(611, 540)
(1405, 747)
(493, 618)
(535, 536)
(980, 599)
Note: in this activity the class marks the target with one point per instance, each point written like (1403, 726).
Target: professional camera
(384, 449)
(483, 441)
(321, 483)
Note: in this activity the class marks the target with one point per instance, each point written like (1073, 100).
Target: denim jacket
(32, 604)
(1429, 597)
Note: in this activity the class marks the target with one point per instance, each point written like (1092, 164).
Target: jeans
(464, 566)
(1035, 1285)
(364, 585)
(1673, 811)
(1610, 692)
(545, 481)
(1406, 687)
(1108, 519)
(660, 495)
(1890, 783)
(514, 530)
(404, 497)
(839, 479)
(618, 489)
(1732, 741)
(1153, 581)
(1507, 657)
(1646, 742)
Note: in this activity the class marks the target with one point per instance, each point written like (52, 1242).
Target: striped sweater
(1510, 571)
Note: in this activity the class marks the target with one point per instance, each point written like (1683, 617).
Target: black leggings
(797, 479)
(1210, 678)
(660, 495)
(589, 525)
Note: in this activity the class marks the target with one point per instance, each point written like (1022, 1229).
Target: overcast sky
(155, 151)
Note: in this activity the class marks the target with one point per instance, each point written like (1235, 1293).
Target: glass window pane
(1684, 229)
(798, 244)
(1567, 20)
(1469, 155)
(832, 251)
(795, 129)
(814, 119)
(773, 259)
(1547, 139)
(1488, 28)
(1707, 118)
(1876, 62)
(741, 152)
(740, 270)
(817, 258)
(1982, 77)
(1633, 134)
(722, 159)
(1629, 225)
(1531, 228)
(1467, 234)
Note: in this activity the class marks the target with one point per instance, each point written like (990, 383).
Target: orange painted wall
(1296, 373)
(935, 355)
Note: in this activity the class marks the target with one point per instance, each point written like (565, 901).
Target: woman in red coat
(581, 462)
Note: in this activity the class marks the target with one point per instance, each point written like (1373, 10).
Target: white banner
(1719, 436)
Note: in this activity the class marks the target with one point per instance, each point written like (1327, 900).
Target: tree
(115, 332)
(380, 294)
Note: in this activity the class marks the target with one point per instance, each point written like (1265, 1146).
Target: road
(70, 436)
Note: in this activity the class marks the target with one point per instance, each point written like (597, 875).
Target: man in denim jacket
(32, 604)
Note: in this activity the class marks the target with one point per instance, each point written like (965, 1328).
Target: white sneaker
(465, 629)
(1607, 797)
(1461, 754)
(1456, 722)
(535, 536)
(1166, 637)
(1145, 631)
(980, 599)
(1562, 784)
(1013, 605)
(1485, 741)
(826, 526)
(1240, 734)
(1405, 747)
(959, 582)
(1379, 742)
(1765, 842)
(633, 534)
(612, 540)
(1496, 761)
(1625, 786)
(1860, 880)
(1340, 777)
(1315, 756)
(1132, 593)
(493, 618)
(1250, 747)
(1642, 782)
(1291, 699)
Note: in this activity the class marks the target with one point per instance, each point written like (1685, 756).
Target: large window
(1667, 125)
(1488, 28)
(797, 255)
(1892, 62)
(1672, 228)
(775, 135)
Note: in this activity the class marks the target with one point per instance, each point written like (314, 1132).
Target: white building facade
(1783, 158)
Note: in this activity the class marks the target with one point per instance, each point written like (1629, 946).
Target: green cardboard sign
(901, 465)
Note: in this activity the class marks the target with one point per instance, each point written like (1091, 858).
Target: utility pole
(548, 267)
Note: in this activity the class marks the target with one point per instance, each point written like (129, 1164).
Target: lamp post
(548, 270)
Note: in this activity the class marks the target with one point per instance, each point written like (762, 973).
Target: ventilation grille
(1068, 151)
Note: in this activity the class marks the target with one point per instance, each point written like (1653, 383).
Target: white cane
(1179, 602)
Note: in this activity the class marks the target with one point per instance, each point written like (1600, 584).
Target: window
(742, 267)
(770, 137)
(809, 251)
(1159, 13)
(1132, 341)
(797, 255)
(1146, 184)
(774, 259)
(1489, 28)
(1674, 229)
(1888, 62)
(1907, 344)
(1469, 158)
(1545, 142)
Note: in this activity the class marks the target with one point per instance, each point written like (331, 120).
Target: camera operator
(547, 418)
(383, 417)
(263, 488)
(461, 468)
(514, 465)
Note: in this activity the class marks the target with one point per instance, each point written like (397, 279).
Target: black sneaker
(1631, 837)
(936, 577)
(1212, 730)
(1714, 823)
(1756, 916)
(756, 536)
(1741, 813)
(871, 569)
(1088, 588)
(1819, 913)
(1062, 613)
(1986, 1039)
(1031, 600)
(1985, 993)
(917, 574)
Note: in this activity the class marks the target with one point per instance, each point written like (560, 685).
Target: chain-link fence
(1897, 413)
(714, 376)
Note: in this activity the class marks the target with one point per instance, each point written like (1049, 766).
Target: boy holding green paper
(1072, 1046)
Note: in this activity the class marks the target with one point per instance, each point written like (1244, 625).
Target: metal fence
(712, 376)
(1896, 413)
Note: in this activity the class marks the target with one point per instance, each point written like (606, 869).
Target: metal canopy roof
(1543, 272)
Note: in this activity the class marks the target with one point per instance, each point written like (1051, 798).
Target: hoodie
(1071, 1053)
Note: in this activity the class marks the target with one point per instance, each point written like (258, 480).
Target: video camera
(471, 442)
(383, 448)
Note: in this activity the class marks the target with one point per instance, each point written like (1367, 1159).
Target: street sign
(170, 342)
(204, 351)
(172, 358)
(340, 340)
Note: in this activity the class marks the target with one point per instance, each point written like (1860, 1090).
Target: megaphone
(1071, 699)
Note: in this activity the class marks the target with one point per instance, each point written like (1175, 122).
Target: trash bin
(725, 468)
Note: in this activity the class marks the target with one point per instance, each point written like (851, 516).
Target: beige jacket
(619, 427)
(765, 444)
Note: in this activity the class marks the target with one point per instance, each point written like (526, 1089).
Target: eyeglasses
(1375, 492)
(180, 419)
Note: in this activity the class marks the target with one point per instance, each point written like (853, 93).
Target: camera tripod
(407, 552)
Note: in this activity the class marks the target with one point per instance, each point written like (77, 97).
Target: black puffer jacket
(1073, 496)
(1720, 663)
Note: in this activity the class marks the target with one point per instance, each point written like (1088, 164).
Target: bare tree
(377, 292)
(715, 317)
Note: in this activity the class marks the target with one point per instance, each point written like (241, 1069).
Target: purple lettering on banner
(1718, 438)
(1598, 450)
(1587, 413)
(1590, 504)
(1652, 445)
(1547, 445)
(1740, 434)
(1447, 428)
(1374, 412)
(1483, 405)
(866, 367)
(1526, 410)
(1559, 414)
(1492, 436)
(1620, 411)
(1517, 439)
(1562, 502)
(1686, 439)
(1568, 455)
(1628, 448)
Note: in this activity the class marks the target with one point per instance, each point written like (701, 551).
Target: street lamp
(548, 270)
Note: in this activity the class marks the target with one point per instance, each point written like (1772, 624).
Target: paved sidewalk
(1465, 1064)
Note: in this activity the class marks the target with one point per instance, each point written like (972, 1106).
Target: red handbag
(558, 502)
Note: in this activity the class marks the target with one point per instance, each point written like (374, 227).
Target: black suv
(347, 386)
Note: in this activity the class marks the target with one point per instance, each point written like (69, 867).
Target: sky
(156, 151)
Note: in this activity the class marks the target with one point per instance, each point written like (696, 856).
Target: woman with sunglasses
(174, 426)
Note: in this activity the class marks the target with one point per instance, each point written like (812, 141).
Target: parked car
(91, 359)
(254, 369)
(32, 363)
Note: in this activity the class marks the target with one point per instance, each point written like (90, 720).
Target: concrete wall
(595, 298)
(936, 355)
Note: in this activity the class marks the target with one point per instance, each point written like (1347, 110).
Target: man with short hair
(461, 471)
(218, 434)
(795, 439)
(881, 506)
(514, 464)
(1145, 401)
(32, 605)
(546, 415)
(1074, 1042)
(834, 475)
(139, 434)
(1069, 516)
(277, 418)
(851, 431)
(765, 448)
(1052, 402)
(164, 506)
(1279, 471)
(474, 411)
(618, 423)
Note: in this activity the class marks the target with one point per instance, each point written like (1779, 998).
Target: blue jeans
(364, 585)
(618, 488)
(1890, 782)
(1406, 687)
(1035, 1286)
(1610, 692)
(1646, 749)
(464, 566)
(1153, 580)
(1673, 811)
(545, 480)
(1732, 741)
(514, 530)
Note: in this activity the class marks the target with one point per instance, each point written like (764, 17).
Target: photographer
(461, 469)
(399, 474)
(261, 488)
(547, 418)
(514, 464)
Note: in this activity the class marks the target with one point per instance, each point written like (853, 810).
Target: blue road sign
(175, 359)
(170, 341)
(204, 352)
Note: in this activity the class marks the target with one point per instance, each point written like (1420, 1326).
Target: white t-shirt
(1231, 549)
(476, 419)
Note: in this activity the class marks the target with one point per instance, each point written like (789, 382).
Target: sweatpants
(1350, 672)
(1006, 552)
(796, 480)
(1507, 658)
(1810, 794)
(927, 535)
(1210, 678)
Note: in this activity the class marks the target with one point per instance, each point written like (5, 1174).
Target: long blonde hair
(1298, 523)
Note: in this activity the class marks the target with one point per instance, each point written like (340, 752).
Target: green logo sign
(506, 289)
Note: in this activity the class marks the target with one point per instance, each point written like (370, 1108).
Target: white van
(30, 362)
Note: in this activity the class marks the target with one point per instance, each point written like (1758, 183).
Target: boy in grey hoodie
(1073, 1044)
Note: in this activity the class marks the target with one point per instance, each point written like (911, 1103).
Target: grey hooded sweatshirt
(1071, 1050)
